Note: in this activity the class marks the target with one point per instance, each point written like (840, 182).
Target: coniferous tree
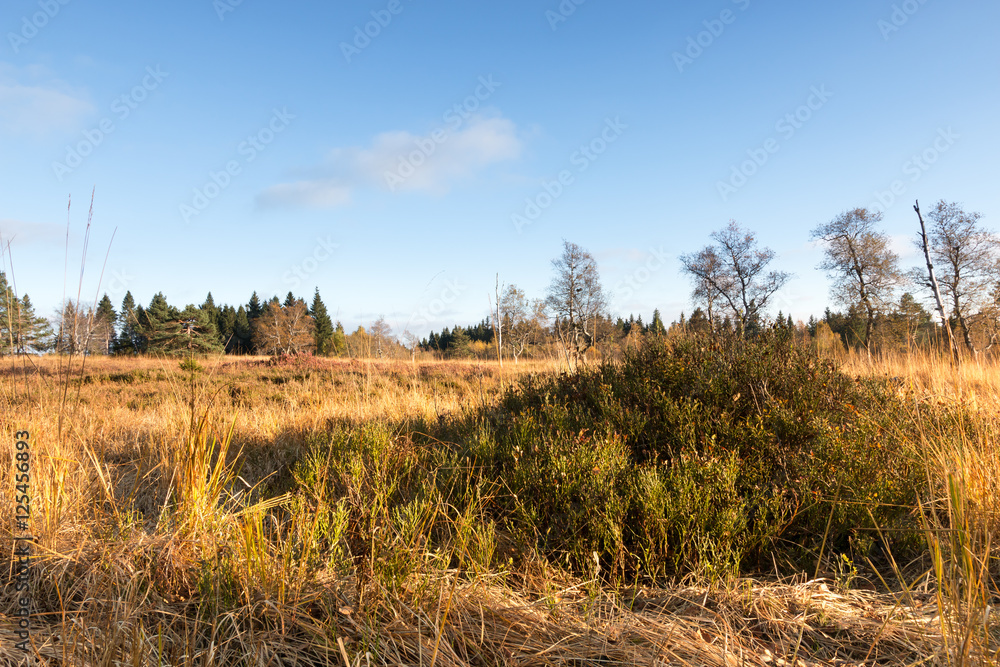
(254, 307)
(322, 326)
(254, 310)
(243, 332)
(227, 328)
(7, 310)
(214, 312)
(339, 340)
(130, 340)
(170, 331)
(459, 343)
(103, 327)
(656, 326)
(698, 322)
(21, 329)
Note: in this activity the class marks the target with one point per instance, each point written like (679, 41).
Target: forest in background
(879, 306)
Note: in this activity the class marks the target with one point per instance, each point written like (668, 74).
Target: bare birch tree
(576, 299)
(735, 271)
(965, 255)
(864, 269)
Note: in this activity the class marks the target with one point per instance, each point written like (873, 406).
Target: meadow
(700, 502)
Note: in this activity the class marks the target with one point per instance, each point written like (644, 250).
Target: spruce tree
(254, 307)
(227, 328)
(213, 311)
(7, 310)
(323, 326)
(459, 345)
(339, 340)
(31, 332)
(103, 331)
(656, 326)
(243, 333)
(130, 340)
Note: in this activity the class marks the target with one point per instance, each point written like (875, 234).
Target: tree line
(733, 287)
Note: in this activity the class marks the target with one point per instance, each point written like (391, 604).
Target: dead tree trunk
(935, 289)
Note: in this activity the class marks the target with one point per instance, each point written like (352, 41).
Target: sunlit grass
(252, 512)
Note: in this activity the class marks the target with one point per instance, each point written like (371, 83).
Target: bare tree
(497, 321)
(411, 342)
(576, 299)
(966, 258)
(381, 334)
(734, 271)
(523, 321)
(706, 270)
(935, 289)
(284, 329)
(864, 269)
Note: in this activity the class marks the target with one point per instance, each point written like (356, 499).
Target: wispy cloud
(18, 232)
(403, 162)
(33, 101)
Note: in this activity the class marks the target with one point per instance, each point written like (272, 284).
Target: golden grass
(139, 484)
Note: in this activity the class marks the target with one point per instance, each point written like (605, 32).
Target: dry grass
(155, 505)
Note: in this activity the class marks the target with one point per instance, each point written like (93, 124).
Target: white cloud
(314, 194)
(34, 102)
(401, 161)
(17, 232)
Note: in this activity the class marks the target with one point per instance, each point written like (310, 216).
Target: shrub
(703, 454)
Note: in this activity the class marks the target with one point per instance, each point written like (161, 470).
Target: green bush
(713, 456)
(703, 454)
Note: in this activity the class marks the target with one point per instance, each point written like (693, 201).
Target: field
(362, 512)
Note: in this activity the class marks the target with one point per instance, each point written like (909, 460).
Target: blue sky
(253, 145)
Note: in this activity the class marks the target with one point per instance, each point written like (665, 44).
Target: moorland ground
(701, 502)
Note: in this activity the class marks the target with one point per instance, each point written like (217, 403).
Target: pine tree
(322, 326)
(169, 331)
(339, 340)
(656, 326)
(243, 332)
(214, 313)
(130, 339)
(8, 308)
(21, 329)
(459, 345)
(103, 328)
(227, 328)
(254, 307)
(31, 332)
